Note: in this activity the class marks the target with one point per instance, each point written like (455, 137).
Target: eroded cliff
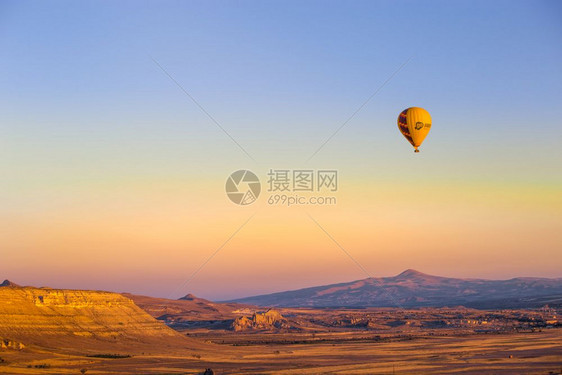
(41, 316)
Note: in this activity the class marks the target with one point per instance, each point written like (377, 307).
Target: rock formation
(6, 344)
(260, 321)
(47, 317)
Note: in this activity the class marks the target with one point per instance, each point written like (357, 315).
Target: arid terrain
(51, 331)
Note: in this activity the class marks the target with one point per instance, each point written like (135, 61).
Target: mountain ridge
(412, 288)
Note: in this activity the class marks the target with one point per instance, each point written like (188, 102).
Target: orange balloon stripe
(403, 126)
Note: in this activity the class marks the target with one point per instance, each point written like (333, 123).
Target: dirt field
(519, 353)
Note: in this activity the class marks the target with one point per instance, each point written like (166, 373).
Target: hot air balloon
(414, 124)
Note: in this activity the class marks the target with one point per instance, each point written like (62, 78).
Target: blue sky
(281, 76)
(85, 112)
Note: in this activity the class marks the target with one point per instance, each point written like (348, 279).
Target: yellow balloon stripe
(414, 123)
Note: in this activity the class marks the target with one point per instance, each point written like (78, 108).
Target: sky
(113, 162)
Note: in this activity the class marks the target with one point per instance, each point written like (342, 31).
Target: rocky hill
(415, 289)
(78, 318)
(191, 311)
(8, 283)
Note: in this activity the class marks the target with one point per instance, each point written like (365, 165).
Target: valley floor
(513, 353)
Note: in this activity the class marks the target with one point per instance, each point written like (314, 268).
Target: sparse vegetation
(111, 356)
(42, 365)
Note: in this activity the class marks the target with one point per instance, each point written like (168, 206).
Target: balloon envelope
(414, 123)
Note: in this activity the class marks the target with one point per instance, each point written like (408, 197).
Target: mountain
(188, 297)
(412, 288)
(85, 319)
(8, 283)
